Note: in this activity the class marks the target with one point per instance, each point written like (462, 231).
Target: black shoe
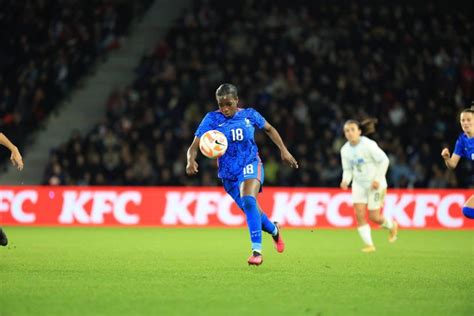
(3, 238)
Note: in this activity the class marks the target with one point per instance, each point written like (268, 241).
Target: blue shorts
(251, 171)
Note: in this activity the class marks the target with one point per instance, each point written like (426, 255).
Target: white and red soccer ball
(213, 144)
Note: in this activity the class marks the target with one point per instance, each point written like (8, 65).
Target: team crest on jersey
(357, 162)
(247, 122)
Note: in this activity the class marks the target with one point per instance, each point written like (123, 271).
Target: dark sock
(3, 238)
(468, 212)
(275, 237)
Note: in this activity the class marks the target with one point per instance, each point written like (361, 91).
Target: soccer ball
(213, 144)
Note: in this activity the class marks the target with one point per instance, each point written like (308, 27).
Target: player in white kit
(365, 164)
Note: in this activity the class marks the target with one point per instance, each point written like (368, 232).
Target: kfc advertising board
(210, 206)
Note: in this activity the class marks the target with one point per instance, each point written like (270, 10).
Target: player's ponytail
(367, 126)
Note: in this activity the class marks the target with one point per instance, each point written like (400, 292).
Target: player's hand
(375, 185)
(289, 159)
(16, 159)
(192, 168)
(445, 154)
(344, 185)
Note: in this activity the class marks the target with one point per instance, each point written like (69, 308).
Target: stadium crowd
(46, 47)
(306, 69)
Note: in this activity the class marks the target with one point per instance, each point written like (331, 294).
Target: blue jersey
(465, 147)
(239, 130)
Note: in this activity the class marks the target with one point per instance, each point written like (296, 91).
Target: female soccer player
(365, 164)
(464, 148)
(240, 168)
(17, 161)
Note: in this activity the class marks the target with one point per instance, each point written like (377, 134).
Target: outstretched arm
(276, 138)
(192, 165)
(15, 157)
(451, 162)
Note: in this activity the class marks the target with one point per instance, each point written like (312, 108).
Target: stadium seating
(306, 69)
(47, 46)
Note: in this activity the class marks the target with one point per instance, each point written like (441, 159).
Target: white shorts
(373, 198)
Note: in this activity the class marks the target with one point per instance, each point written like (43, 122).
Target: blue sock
(468, 212)
(254, 221)
(267, 225)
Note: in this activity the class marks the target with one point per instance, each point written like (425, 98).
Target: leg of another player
(3, 238)
(363, 227)
(468, 209)
(392, 226)
(248, 192)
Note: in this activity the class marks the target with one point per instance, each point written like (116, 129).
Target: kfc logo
(103, 203)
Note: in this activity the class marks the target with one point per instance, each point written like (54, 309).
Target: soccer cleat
(255, 259)
(393, 233)
(367, 249)
(3, 238)
(277, 240)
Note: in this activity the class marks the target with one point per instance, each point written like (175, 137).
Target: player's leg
(3, 238)
(375, 217)
(257, 172)
(363, 227)
(376, 200)
(273, 229)
(359, 199)
(468, 209)
(267, 226)
(248, 191)
(232, 188)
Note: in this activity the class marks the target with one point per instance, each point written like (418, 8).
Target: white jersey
(364, 163)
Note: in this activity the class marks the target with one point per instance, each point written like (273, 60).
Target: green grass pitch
(153, 271)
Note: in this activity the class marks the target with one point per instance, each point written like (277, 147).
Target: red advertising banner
(210, 206)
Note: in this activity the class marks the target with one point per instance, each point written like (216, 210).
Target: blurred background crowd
(46, 47)
(305, 68)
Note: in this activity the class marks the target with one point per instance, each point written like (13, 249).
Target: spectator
(47, 46)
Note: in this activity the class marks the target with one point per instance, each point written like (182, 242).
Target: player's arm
(192, 165)
(276, 139)
(15, 157)
(382, 162)
(346, 171)
(451, 161)
(205, 125)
